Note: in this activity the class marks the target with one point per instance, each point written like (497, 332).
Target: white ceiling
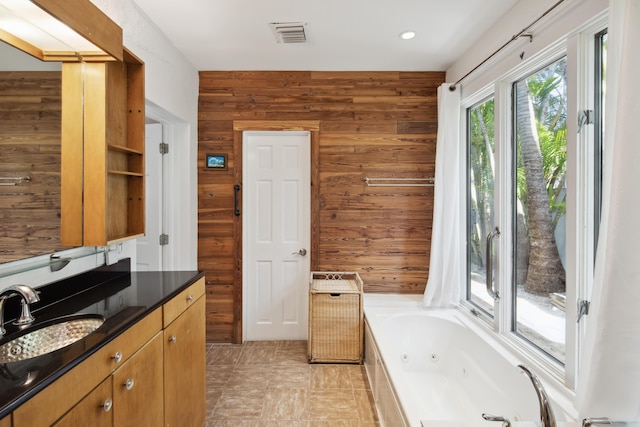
(342, 34)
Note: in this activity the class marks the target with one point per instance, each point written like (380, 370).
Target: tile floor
(271, 384)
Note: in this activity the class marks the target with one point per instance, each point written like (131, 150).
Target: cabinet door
(137, 388)
(184, 372)
(6, 421)
(95, 409)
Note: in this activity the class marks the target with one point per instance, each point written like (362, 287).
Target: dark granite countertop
(121, 296)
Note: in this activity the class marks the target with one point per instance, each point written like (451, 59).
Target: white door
(149, 251)
(277, 234)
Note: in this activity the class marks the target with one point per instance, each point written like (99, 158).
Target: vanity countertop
(121, 296)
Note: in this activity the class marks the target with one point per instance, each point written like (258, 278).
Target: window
(534, 155)
(539, 208)
(480, 218)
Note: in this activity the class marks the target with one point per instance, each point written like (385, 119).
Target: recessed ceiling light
(407, 35)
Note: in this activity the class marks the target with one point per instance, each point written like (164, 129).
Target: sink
(48, 337)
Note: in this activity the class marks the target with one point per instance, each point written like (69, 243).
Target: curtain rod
(515, 37)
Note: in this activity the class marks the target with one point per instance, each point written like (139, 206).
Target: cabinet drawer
(97, 407)
(127, 343)
(186, 298)
(69, 389)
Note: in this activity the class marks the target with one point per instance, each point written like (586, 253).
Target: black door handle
(236, 189)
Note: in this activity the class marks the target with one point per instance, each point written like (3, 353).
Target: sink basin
(49, 336)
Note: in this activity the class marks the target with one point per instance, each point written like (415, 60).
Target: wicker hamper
(335, 318)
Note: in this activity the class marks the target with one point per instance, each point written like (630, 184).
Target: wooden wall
(30, 126)
(372, 124)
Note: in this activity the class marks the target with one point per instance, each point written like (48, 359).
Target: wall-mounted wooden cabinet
(113, 121)
(103, 197)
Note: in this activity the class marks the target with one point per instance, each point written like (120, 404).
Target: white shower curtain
(609, 373)
(446, 270)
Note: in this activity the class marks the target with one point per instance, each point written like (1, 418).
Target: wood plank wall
(372, 124)
(30, 126)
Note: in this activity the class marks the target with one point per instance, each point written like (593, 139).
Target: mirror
(30, 155)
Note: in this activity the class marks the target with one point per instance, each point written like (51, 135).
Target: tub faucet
(505, 421)
(588, 422)
(28, 295)
(546, 413)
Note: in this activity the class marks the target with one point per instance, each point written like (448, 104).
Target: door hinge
(164, 239)
(583, 309)
(164, 148)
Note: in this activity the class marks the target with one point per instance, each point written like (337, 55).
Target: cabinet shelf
(124, 149)
(127, 173)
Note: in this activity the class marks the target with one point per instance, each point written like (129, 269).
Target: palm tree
(545, 271)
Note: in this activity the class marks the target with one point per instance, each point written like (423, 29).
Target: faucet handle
(26, 317)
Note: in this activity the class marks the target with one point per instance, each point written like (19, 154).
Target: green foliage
(547, 90)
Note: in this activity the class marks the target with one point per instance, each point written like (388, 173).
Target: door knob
(301, 252)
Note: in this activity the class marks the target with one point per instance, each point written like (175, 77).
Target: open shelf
(114, 198)
(124, 149)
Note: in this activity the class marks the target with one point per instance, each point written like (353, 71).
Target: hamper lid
(335, 282)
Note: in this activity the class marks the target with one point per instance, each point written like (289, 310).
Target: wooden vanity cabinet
(184, 358)
(152, 374)
(70, 389)
(6, 421)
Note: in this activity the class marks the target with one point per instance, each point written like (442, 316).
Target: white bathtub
(430, 367)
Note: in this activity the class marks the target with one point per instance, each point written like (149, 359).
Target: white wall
(172, 86)
(172, 90)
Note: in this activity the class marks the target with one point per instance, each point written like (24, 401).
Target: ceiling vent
(289, 32)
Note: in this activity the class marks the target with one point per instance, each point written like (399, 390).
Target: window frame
(478, 309)
(579, 48)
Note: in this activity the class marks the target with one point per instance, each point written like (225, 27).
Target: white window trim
(578, 46)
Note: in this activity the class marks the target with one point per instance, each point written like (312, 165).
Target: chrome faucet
(588, 422)
(546, 413)
(505, 421)
(28, 295)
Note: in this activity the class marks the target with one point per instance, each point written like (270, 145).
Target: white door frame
(148, 247)
(313, 126)
(180, 206)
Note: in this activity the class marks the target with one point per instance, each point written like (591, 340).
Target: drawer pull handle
(129, 384)
(173, 339)
(190, 298)
(117, 357)
(106, 406)
(334, 295)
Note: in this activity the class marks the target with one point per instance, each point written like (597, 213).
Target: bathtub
(430, 367)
